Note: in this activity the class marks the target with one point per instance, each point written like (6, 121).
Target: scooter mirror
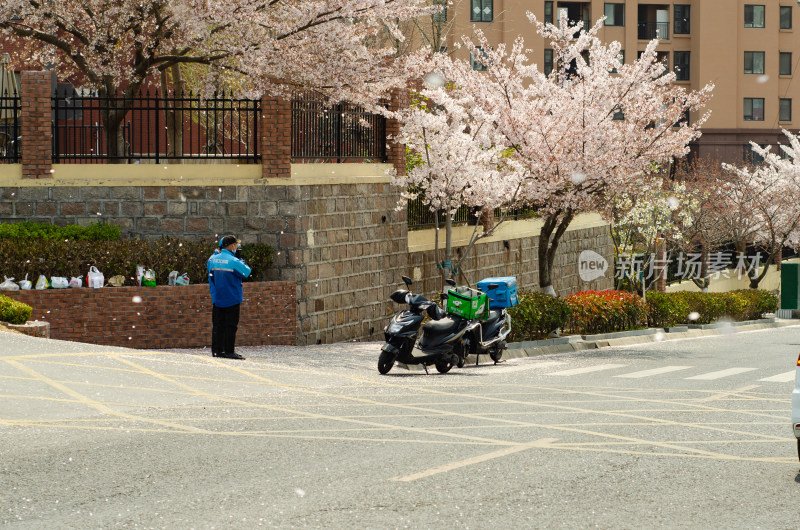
(443, 296)
(407, 281)
(451, 282)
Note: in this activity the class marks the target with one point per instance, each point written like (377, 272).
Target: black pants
(224, 323)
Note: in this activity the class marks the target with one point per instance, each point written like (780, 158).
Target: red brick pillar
(36, 129)
(276, 138)
(396, 153)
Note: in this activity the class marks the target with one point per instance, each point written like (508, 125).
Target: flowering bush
(605, 311)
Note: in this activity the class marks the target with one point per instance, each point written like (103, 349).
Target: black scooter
(441, 343)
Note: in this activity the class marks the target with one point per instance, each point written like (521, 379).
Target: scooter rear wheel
(385, 362)
(445, 363)
(496, 354)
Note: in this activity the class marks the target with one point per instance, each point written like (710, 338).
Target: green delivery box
(467, 303)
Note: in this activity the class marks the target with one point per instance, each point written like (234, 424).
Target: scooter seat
(494, 316)
(440, 326)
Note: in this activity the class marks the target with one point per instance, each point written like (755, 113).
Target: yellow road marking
(544, 442)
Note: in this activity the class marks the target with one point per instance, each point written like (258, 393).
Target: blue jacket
(225, 275)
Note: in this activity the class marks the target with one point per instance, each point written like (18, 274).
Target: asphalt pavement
(670, 434)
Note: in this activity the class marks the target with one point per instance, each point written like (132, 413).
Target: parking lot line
(720, 374)
(654, 371)
(588, 369)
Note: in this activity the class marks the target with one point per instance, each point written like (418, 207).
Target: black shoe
(214, 354)
(231, 356)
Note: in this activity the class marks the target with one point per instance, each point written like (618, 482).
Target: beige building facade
(749, 49)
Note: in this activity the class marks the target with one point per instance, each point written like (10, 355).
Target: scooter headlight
(394, 327)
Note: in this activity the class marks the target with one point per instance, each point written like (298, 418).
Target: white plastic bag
(95, 278)
(173, 276)
(139, 274)
(76, 282)
(59, 282)
(25, 285)
(42, 282)
(9, 285)
(183, 279)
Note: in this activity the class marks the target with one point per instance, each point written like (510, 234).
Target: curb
(518, 350)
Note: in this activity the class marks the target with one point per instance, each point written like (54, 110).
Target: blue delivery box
(505, 295)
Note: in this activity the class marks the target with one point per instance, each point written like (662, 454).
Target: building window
(754, 62)
(681, 13)
(476, 64)
(753, 16)
(785, 63)
(785, 110)
(441, 16)
(482, 11)
(548, 12)
(753, 109)
(615, 14)
(786, 17)
(751, 157)
(681, 65)
(548, 62)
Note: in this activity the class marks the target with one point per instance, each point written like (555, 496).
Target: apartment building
(750, 49)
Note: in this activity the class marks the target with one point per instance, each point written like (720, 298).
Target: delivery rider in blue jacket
(225, 274)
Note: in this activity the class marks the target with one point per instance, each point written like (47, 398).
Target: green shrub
(26, 230)
(536, 316)
(665, 310)
(708, 306)
(55, 257)
(605, 312)
(14, 312)
(758, 302)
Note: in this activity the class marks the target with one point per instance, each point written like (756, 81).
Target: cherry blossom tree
(457, 163)
(589, 129)
(761, 203)
(117, 45)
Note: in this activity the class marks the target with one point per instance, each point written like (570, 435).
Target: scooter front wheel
(385, 362)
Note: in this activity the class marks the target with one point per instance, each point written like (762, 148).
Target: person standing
(225, 274)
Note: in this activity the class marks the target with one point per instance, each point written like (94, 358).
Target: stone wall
(166, 317)
(518, 257)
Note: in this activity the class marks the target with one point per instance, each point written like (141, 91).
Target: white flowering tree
(760, 204)
(117, 45)
(642, 223)
(590, 129)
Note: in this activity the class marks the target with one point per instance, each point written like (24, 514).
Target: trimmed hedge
(14, 312)
(27, 230)
(591, 312)
(56, 257)
(669, 309)
(537, 315)
(605, 312)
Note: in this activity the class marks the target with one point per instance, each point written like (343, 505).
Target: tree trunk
(555, 225)
(115, 140)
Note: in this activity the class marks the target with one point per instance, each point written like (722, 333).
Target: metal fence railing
(10, 130)
(153, 129)
(653, 30)
(419, 216)
(335, 133)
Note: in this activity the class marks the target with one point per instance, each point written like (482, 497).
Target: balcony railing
(653, 30)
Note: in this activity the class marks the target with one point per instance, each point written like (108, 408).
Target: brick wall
(276, 137)
(518, 257)
(166, 317)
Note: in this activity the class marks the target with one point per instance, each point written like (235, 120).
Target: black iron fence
(10, 130)
(92, 128)
(419, 216)
(335, 133)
